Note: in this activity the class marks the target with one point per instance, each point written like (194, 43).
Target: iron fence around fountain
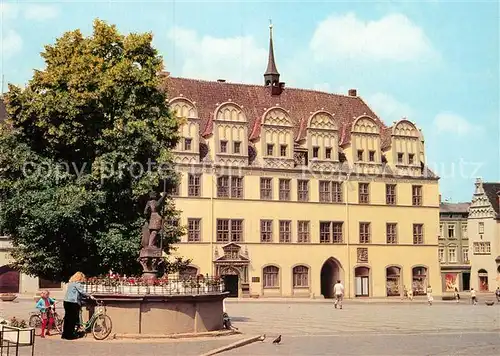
(205, 286)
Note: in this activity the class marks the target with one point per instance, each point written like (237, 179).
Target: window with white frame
(451, 231)
(465, 254)
(452, 254)
(481, 228)
(441, 254)
(482, 248)
(464, 230)
(441, 230)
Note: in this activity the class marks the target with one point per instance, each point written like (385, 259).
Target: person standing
(457, 296)
(430, 299)
(410, 294)
(73, 304)
(45, 305)
(473, 296)
(338, 290)
(497, 294)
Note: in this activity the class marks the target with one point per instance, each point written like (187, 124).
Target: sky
(433, 62)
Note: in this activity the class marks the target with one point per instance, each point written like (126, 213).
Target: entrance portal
(465, 281)
(9, 280)
(231, 285)
(330, 273)
(483, 280)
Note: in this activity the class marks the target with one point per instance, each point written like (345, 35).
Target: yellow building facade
(283, 191)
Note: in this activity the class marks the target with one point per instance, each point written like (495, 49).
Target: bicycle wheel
(101, 328)
(58, 323)
(36, 323)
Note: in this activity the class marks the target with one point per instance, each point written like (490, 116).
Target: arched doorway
(393, 281)
(483, 280)
(362, 281)
(330, 273)
(231, 280)
(9, 280)
(419, 282)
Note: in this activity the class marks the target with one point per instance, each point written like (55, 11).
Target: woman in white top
(430, 299)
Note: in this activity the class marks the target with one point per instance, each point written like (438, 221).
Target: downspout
(347, 236)
(212, 223)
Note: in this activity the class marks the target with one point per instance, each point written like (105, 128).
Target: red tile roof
(256, 99)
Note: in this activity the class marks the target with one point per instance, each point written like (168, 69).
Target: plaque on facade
(362, 254)
(255, 279)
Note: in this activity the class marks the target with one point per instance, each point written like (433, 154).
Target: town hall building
(283, 191)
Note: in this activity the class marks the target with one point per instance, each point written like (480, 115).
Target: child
(457, 296)
(45, 305)
(410, 294)
(430, 299)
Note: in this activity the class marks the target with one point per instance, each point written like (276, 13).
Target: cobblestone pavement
(316, 328)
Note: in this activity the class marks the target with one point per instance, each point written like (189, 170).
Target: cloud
(40, 12)
(388, 108)
(391, 38)
(236, 59)
(450, 123)
(11, 44)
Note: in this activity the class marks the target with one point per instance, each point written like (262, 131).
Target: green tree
(84, 142)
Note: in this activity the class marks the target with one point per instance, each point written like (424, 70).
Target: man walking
(338, 290)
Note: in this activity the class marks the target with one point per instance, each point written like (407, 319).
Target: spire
(271, 76)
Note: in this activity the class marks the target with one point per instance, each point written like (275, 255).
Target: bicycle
(99, 323)
(35, 321)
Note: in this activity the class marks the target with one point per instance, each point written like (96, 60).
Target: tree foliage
(84, 142)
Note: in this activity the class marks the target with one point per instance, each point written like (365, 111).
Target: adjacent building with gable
(484, 236)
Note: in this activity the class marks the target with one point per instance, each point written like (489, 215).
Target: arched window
(271, 277)
(189, 272)
(300, 277)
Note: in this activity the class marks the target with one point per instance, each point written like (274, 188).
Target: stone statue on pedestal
(151, 254)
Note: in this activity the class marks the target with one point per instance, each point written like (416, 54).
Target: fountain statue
(151, 254)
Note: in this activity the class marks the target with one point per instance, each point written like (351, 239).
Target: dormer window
(283, 150)
(401, 158)
(223, 147)
(411, 158)
(315, 152)
(360, 155)
(187, 144)
(237, 147)
(270, 149)
(371, 156)
(328, 153)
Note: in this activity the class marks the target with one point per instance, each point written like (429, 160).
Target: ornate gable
(481, 205)
(232, 253)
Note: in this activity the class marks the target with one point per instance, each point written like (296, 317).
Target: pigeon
(262, 337)
(277, 340)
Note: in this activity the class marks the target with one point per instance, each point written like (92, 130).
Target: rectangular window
(464, 230)
(364, 233)
(187, 144)
(451, 231)
(237, 187)
(266, 188)
(266, 231)
(223, 147)
(371, 156)
(194, 230)
(284, 185)
(482, 248)
(283, 149)
(285, 231)
(401, 158)
(364, 193)
(303, 234)
(237, 147)
(236, 230)
(303, 190)
(230, 187)
(411, 158)
(315, 152)
(337, 192)
(328, 153)
(270, 149)
(325, 193)
(391, 233)
(222, 230)
(360, 155)
(452, 254)
(390, 194)
(418, 234)
(441, 235)
(300, 277)
(325, 232)
(465, 254)
(194, 185)
(175, 190)
(337, 232)
(481, 228)
(416, 195)
(441, 254)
